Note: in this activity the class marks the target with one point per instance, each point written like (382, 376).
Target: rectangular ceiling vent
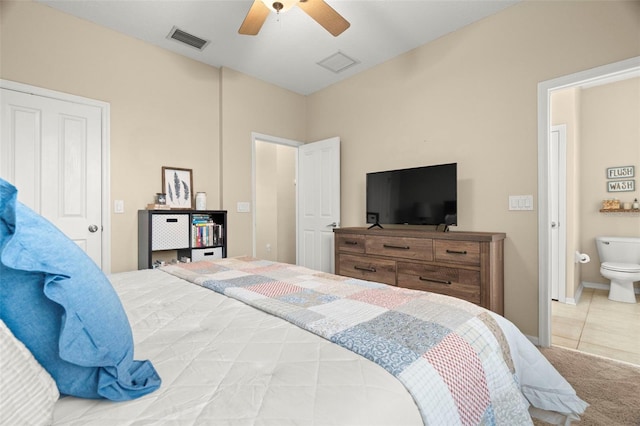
(188, 39)
(337, 62)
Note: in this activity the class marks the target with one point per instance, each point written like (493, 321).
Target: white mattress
(224, 363)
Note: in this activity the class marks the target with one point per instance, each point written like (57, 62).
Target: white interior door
(318, 203)
(558, 202)
(51, 150)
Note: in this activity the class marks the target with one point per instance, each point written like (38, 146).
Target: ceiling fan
(320, 11)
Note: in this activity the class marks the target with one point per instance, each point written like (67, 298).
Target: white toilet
(620, 259)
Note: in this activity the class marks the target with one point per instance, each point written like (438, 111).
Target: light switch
(513, 203)
(243, 207)
(520, 202)
(118, 206)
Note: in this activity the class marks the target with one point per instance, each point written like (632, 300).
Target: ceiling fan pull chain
(278, 7)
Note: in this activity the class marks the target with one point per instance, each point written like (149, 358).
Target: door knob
(93, 228)
(333, 225)
(554, 224)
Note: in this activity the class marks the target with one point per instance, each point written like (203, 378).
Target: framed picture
(177, 184)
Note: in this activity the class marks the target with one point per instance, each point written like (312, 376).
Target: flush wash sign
(620, 173)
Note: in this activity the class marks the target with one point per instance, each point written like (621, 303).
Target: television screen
(417, 196)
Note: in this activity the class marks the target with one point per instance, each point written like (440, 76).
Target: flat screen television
(417, 196)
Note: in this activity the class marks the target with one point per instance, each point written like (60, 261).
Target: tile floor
(598, 326)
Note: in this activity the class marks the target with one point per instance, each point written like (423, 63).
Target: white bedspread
(223, 363)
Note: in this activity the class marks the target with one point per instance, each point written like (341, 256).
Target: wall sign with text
(624, 172)
(621, 185)
(620, 172)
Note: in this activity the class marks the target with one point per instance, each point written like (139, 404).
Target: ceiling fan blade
(325, 15)
(254, 19)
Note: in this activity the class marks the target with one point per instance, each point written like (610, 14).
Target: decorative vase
(201, 200)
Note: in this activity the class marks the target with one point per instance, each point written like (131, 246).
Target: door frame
(105, 153)
(598, 75)
(255, 137)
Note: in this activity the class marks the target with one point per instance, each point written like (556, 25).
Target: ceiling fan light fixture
(279, 6)
(318, 10)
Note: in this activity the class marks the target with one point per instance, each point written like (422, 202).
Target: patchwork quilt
(450, 355)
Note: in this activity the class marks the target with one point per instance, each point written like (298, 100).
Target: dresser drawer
(465, 252)
(400, 247)
(460, 283)
(367, 268)
(350, 243)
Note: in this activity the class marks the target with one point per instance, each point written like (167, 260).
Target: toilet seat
(621, 267)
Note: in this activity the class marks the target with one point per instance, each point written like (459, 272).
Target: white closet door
(51, 151)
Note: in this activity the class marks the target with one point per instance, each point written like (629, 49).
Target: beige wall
(160, 103)
(286, 160)
(470, 97)
(250, 105)
(275, 202)
(610, 137)
(164, 107)
(266, 206)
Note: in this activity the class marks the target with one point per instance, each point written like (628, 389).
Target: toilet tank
(618, 249)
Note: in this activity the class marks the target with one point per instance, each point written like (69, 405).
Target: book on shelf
(205, 232)
(158, 207)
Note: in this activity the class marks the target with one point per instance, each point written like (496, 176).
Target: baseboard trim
(600, 286)
(597, 286)
(533, 339)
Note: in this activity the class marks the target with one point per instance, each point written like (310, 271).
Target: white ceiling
(287, 50)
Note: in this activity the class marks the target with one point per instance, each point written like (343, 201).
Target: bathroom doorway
(590, 78)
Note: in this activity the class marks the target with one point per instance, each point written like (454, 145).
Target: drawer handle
(351, 243)
(456, 251)
(445, 282)
(172, 219)
(396, 247)
(208, 253)
(364, 268)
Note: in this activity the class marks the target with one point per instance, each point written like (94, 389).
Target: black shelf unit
(184, 231)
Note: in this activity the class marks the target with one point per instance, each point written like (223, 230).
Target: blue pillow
(57, 301)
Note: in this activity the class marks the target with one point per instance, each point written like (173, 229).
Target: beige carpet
(611, 388)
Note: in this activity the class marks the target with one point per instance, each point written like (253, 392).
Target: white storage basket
(170, 231)
(206, 254)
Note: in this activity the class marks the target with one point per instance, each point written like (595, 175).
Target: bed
(244, 341)
(223, 361)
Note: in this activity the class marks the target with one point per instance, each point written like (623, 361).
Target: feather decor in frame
(177, 183)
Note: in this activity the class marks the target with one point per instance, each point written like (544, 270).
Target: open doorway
(546, 189)
(275, 162)
(315, 187)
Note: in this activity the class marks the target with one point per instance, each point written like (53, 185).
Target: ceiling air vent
(337, 62)
(188, 39)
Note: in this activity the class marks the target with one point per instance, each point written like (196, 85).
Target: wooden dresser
(467, 265)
